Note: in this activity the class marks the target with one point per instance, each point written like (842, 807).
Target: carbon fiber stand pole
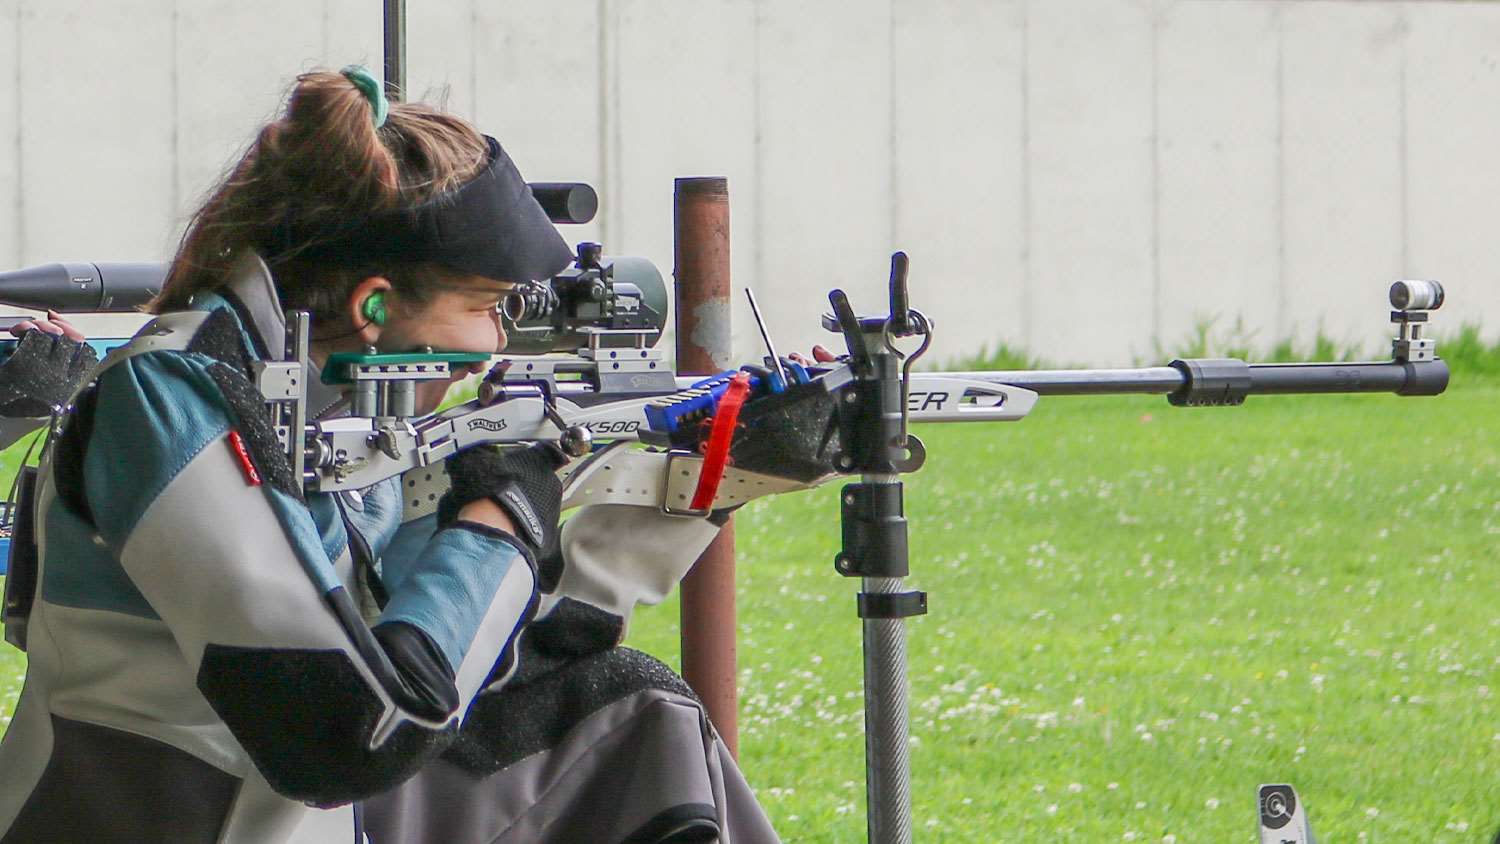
(875, 550)
(887, 719)
(701, 214)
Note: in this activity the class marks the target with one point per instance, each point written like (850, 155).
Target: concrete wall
(1084, 179)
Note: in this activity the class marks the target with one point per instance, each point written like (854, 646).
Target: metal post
(395, 49)
(888, 815)
(701, 217)
(875, 549)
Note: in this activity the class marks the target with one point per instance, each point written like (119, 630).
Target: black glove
(523, 481)
(42, 373)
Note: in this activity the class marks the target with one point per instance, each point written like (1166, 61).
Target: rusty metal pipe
(701, 227)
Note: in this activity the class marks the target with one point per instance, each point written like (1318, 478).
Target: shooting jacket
(205, 662)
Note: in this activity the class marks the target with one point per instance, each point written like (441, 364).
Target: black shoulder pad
(251, 417)
(220, 339)
(306, 717)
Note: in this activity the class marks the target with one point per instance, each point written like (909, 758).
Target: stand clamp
(874, 532)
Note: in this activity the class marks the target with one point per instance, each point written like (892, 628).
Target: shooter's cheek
(500, 337)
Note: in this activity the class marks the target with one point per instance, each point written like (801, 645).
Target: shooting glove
(42, 373)
(613, 557)
(523, 481)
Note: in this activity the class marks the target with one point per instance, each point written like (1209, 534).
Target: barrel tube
(1421, 378)
(1424, 378)
(1083, 382)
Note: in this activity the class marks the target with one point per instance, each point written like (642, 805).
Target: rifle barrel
(1422, 378)
(1082, 382)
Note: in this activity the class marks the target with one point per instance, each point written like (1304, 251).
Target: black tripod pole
(875, 550)
(395, 49)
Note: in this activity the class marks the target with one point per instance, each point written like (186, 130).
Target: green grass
(1139, 613)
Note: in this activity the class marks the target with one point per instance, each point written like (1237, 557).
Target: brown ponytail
(322, 164)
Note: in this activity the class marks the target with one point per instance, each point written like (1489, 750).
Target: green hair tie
(372, 88)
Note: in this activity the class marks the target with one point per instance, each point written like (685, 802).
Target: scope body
(83, 287)
(608, 302)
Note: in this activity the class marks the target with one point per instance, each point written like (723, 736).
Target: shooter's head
(388, 222)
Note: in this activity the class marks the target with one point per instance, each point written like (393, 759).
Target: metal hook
(919, 324)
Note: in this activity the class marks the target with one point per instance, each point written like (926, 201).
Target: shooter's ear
(368, 308)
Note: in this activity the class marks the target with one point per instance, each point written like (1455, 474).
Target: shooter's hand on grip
(524, 483)
(819, 355)
(45, 368)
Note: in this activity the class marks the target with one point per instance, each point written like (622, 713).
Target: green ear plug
(374, 308)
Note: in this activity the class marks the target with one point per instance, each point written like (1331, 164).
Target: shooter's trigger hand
(820, 355)
(43, 371)
(524, 482)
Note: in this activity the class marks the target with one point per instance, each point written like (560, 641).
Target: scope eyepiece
(529, 302)
(1416, 295)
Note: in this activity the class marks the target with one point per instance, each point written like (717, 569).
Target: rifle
(599, 388)
(604, 397)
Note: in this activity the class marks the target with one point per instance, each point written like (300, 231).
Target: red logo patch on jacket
(237, 445)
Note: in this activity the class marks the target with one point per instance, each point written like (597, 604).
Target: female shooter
(213, 654)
